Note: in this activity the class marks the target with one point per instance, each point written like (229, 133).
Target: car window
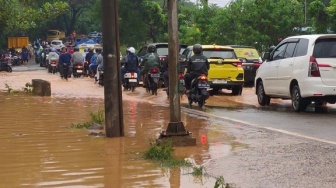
(219, 54)
(185, 52)
(248, 53)
(279, 52)
(302, 47)
(142, 51)
(56, 43)
(162, 51)
(325, 48)
(290, 50)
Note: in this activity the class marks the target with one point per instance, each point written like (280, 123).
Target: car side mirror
(266, 56)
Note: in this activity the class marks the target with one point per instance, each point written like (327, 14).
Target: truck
(18, 42)
(55, 35)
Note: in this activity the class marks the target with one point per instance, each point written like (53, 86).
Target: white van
(300, 68)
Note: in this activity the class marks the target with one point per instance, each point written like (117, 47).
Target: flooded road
(39, 149)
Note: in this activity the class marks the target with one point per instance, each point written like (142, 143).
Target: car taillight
(53, 62)
(154, 70)
(313, 68)
(257, 64)
(132, 74)
(237, 64)
(180, 75)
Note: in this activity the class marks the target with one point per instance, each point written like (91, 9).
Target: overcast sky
(220, 3)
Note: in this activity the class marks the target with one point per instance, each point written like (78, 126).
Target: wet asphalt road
(285, 149)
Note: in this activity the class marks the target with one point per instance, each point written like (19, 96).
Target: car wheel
(263, 99)
(298, 103)
(237, 90)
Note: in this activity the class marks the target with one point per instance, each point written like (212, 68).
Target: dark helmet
(98, 50)
(76, 49)
(197, 49)
(151, 48)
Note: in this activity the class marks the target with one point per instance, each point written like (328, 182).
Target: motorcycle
(5, 67)
(152, 80)
(99, 76)
(86, 71)
(52, 66)
(77, 70)
(16, 60)
(181, 85)
(131, 81)
(199, 91)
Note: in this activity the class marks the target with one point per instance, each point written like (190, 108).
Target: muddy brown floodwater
(39, 149)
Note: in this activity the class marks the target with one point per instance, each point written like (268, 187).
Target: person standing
(64, 63)
(24, 55)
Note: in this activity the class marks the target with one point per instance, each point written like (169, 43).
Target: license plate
(79, 71)
(132, 80)
(53, 65)
(205, 85)
(219, 81)
(155, 75)
(129, 75)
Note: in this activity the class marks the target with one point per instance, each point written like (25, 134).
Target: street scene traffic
(259, 103)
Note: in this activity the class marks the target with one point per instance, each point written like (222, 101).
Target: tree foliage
(247, 22)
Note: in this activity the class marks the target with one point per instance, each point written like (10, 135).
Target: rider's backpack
(152, 60)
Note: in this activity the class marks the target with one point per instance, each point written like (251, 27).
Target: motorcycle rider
(151, 60)
(53, 55)
(181, 64)
(89, 55)
(77, 57)
(197, 64)
(131, 64)
(96, 59)
(64, 63)
(84, 53)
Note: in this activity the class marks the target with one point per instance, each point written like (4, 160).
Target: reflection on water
(38, 149)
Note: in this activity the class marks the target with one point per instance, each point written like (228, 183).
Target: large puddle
(39, 149)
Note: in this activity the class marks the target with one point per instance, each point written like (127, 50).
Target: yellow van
(251, 61)
(225, 71)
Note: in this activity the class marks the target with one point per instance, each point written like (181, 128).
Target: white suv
(300, 68)
(57, 44)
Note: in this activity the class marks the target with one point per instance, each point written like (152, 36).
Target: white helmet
(131, 49)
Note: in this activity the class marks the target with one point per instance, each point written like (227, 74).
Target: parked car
(226, 71)
(251, 61)
(57, 44)
(300, 68)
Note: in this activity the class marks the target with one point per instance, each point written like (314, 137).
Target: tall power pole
(114, 125)
(175, 126)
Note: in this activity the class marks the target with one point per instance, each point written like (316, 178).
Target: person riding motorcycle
(131, 64)
(198, 64)
(151, 60)
(181, 65)
(53, 55)
(77, 57)
(96, 59)
(89, 55)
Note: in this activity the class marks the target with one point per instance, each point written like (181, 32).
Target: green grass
(164, 155)
(96, 118)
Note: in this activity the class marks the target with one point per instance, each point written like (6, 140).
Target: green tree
(320, 18)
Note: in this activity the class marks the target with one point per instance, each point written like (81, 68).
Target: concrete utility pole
(114, 122)
(175, 126)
